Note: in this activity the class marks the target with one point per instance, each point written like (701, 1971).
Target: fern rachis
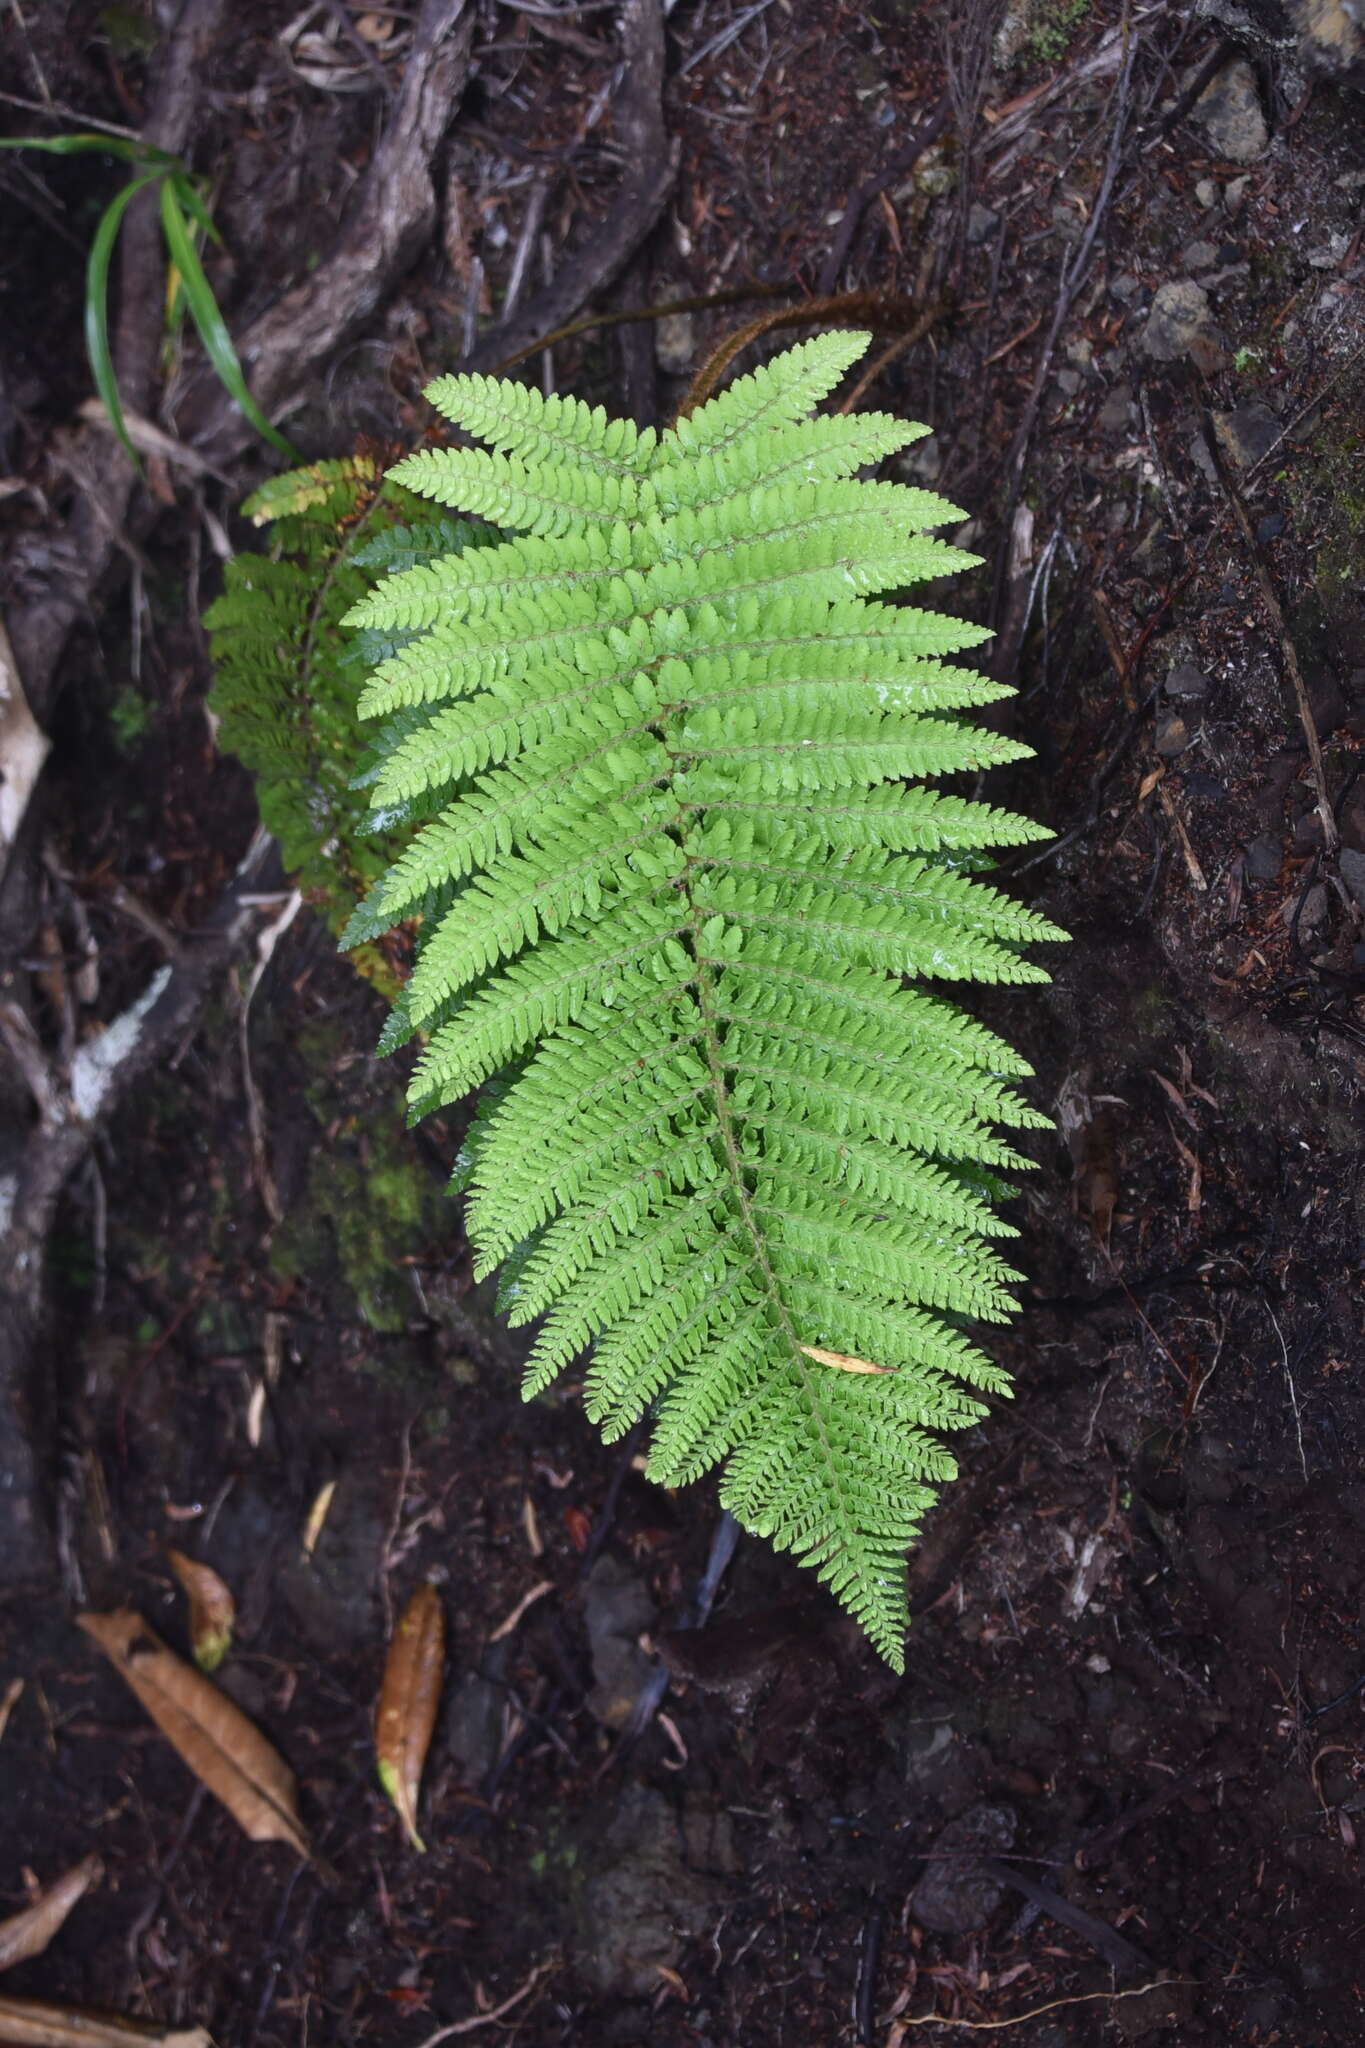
(676, 885)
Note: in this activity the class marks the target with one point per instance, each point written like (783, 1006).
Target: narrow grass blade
(97, 305)
(208, 320)
(139, 153)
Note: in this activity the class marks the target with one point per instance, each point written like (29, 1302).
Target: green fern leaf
(675, 891)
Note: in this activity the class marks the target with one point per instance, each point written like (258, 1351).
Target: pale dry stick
(290, 903)
(1192, 867)
(496, 2012)
(1075, 269)
(934, 2019)
(1293, 1390)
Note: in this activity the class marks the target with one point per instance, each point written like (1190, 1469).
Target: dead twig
(495, 2012)
(937, 2019)
(1331, 838)
(651, 164)
(1075, 269)
(393, 214)
(904, 159)
(72, 1108)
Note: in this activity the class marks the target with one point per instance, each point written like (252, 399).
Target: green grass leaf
(204, 311)
(97, 305)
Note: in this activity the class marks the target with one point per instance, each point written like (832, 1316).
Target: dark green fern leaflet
(662, 741)
(288, 674)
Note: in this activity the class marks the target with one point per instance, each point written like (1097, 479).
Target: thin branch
(496, 2012)
(937, 2019)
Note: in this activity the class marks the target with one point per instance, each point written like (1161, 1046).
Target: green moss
(1054, 31)
(370, 1201)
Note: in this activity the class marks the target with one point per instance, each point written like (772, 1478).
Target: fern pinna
(673, 880)
(287, 674)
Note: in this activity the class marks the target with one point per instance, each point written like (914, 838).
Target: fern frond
(672, 882)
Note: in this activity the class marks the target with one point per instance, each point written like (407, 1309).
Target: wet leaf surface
(213, 1611)
(225, 1750)
(28, 1933)
(408, 1700)
(31, 2024)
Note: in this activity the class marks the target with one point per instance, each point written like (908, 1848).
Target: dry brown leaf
(317, 1515)
(8, 1703)
(408, 1700)
(223, 1749)
(841, 1361)
(28, 1933)
(34, 2025)
(213, 1611)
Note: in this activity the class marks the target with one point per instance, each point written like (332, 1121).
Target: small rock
(1270, 528)
(1125, 288)
(981, 225)
(475, 1718)
(1264, 858)
(1229, 111)
(709, 1839)
(1068, 382)
(1307, 834)
(1012, 34)
(922, 463)
(1246, 435)
(955, 1895)
(1080, 352)
(617, 1609)
(640, 1905)
(1187, 681)
(1234, 192)
(1172, 735)
(1200, 256)
(1206, 192)
(1180, 320)
(1313, 913)
(1352, 866)
(675, 343)
(936, 172)
(1118, 414)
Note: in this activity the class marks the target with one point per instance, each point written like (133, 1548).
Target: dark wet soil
(1129, 1749)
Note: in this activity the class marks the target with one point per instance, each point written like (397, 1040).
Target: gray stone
(1187, 681)
(1352, 866)
(1200, 256)
(1206, 192)
(955, 1895)
(1246, 435)
(1068, 382)
(1118, 414)
(1180, 318)
(1229, 112)
(936, 172)
(617, 1609)
(1331, 39)
(1312, 913)
(1125, 288)
(1172, 735)
(981, 224)
(1264, 857)
(675, 343)
(641, 1904)
(474, 1721)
